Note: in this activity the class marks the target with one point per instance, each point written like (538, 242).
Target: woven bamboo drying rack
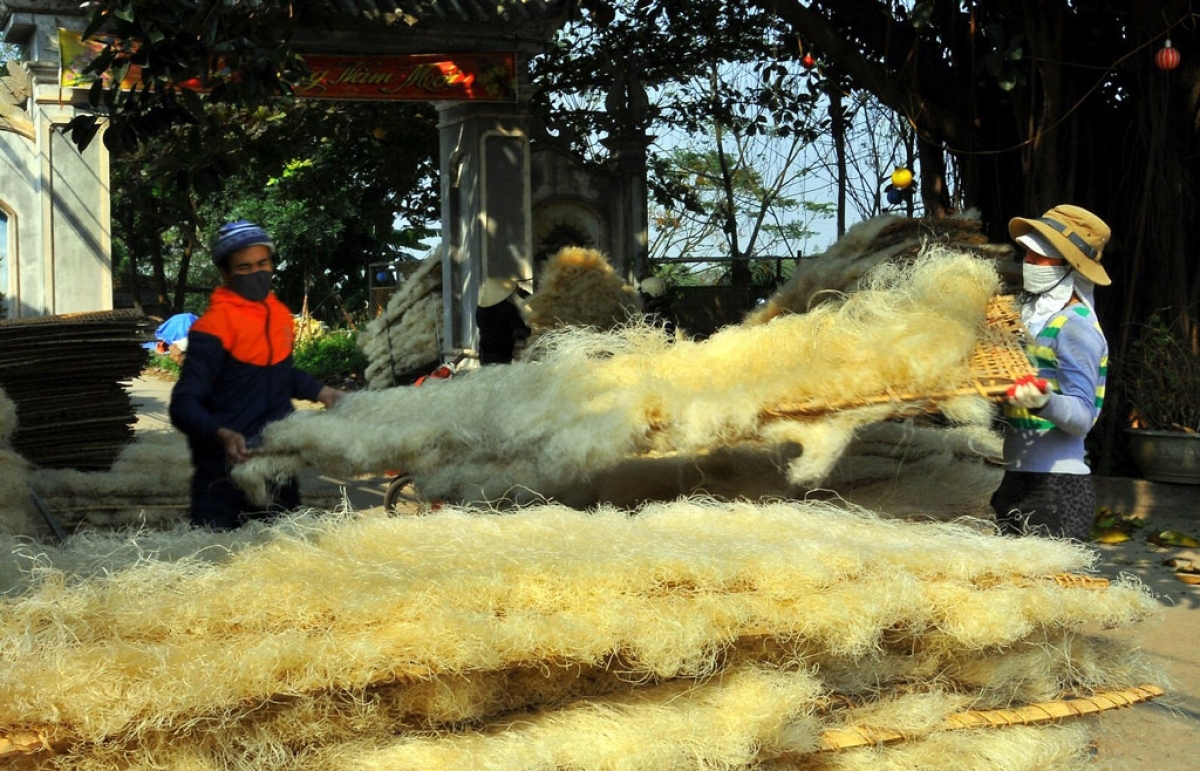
(996, 361)
(1028, 714)
(33, 741)
(49, 739)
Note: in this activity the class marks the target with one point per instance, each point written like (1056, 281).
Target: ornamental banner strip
(480, 77)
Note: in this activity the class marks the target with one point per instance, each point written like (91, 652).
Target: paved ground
(1159, 736)
(1163, 735)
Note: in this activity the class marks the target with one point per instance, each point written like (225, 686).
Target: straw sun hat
(1075, 233)
(495, 290)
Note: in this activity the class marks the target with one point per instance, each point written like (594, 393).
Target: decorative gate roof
(459, 11)
(431, 26)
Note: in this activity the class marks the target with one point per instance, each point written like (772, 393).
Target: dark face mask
(253, 286)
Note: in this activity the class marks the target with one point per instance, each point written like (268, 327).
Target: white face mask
(1039, 279)
(1048, 289)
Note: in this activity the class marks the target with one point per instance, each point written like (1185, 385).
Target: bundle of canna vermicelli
(845, 265)
(147, 484)
(406, 336)
(591, 399)
(685, 635)
(910, 468)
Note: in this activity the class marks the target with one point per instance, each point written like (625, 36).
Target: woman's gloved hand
(1029, 392)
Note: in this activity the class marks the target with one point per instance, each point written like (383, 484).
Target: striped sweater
(1071, 353)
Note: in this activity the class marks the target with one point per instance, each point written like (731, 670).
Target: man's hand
(1029, 392)
(329, 396)
(235, 445)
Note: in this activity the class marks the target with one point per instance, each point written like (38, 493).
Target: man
(1047, 487)
(237, 377)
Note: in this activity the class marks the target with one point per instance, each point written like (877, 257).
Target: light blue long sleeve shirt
(1070, 352)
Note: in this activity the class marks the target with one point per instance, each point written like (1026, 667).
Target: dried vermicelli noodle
(593, 399)
(612, 626)
(867, 245)
(405, 337)
(579, 288)
(17, 513)
(876, 623)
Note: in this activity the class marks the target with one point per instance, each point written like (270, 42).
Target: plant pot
(1166, 456)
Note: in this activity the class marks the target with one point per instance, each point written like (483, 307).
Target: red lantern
(808, 61)
(1167, 57)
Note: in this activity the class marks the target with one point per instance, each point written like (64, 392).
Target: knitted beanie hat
(235, 236)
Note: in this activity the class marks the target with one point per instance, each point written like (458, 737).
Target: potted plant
(1161, 379)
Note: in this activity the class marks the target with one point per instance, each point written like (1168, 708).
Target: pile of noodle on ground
(685, 635)
(590, 400)
(147, 486)
(888, 239)
(18, 516)
(579, 288)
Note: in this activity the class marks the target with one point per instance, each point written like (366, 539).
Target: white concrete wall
(56, 198)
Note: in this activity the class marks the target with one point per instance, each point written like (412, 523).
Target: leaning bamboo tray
(997, 360)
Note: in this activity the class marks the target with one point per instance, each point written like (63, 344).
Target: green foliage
(329, 186)
(590, 81)
(332, 357)
(240, 55)
(328, 181)
(163, 365)
(1161, 378)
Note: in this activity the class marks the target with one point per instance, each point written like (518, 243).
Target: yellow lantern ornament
(902, 178)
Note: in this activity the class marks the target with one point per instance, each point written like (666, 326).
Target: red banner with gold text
(485, 77)
(489, 77)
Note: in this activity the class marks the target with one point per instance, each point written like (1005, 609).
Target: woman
(1047, 487)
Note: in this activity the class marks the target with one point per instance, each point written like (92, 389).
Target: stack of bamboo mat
(688, 635)
(65, 375)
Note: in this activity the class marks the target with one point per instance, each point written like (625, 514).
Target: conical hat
(496, 290)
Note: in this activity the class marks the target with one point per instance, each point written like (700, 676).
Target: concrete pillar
(630, 218)
(486, 211)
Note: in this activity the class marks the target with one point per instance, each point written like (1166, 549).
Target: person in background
(656, 305)
(499, 320)
(238, 377)
(1047, 488)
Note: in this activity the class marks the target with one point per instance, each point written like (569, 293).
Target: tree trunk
(837, 127)
(158, 271)
(181, 280)
(935, 193)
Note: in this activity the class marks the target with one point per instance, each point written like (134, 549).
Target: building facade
(55, 232)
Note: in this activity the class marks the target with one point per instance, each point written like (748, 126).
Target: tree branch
(928, 118)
